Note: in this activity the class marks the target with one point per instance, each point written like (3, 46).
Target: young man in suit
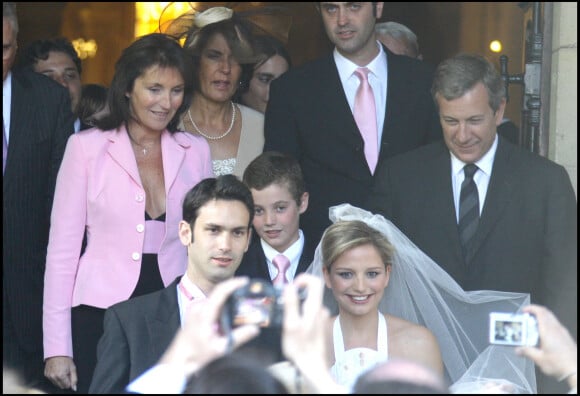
(311, 110)
(37, 122)
(522, 233)
(57, 59)
(275, 180)
(216, 228)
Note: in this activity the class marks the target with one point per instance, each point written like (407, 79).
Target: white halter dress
(349, 365)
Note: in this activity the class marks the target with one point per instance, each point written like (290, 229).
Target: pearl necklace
(226, 133)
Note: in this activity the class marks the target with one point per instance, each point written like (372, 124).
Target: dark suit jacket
(40, 123)
(254, 263)
(308, 116)
(136, 333)
(526, 239)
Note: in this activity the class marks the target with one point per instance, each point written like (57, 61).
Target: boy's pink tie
(282, 263)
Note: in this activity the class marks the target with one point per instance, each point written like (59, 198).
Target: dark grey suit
(526, 239)
(308, 116)
(136, 333)
(40, 123)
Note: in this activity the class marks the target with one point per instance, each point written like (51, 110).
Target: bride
(419, 296)
(357, 266)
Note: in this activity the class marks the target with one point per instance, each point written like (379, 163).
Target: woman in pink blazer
(122, 185)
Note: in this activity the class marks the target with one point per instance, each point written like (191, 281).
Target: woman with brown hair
(221, 46)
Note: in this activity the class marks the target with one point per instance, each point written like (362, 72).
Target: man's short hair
(225, 187)
(400, 376)
(9, 12)
(399, 31)
(40, 50)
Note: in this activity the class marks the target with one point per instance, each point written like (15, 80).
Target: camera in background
(513, 329)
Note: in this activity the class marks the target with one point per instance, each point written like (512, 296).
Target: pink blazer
(98, 187)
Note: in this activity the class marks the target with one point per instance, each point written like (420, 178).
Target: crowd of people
(370, 193)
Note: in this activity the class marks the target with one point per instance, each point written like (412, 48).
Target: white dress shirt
(6, 103)
(293, 254)
(481, 177)
(377, 79)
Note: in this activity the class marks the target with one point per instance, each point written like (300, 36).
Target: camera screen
(508, 331)
(512, 329)
(254, 310)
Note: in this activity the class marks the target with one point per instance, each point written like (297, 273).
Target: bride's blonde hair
(343, 236)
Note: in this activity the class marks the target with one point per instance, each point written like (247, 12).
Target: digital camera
(513, 329)
(259, 302)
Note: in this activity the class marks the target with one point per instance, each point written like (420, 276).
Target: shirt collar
(485, 163)
(346, 67)
(191, 289)
(7, 100)
(292, 253)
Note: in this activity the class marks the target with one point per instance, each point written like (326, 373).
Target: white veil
(422, 292)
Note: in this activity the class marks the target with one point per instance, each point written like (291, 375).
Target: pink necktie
(282, 263)
(365, 115)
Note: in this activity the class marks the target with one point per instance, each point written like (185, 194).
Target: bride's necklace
(144, 148)
(226, 133)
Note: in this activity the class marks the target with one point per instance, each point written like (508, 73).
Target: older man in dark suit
(312, 110)
(492, 214)
(37, 122)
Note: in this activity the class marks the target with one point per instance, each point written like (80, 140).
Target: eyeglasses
(7, 49)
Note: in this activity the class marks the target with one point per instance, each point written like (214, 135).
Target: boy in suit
(275, 180)
(216, 227)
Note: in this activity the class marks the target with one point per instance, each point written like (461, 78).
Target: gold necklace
(226, 133)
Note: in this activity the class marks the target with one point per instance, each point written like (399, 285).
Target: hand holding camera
(299, 312)
(258, 303)
(305, 334)
(200, 341)
(557, 352)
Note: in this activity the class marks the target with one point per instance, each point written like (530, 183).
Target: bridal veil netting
(422, 292)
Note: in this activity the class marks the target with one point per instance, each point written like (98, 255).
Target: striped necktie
(468, 208)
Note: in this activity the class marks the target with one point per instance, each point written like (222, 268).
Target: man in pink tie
(342, 115)
(365, 115)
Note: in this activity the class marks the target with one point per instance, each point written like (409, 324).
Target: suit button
(139, 197)
(135, 256)
(140, 227)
